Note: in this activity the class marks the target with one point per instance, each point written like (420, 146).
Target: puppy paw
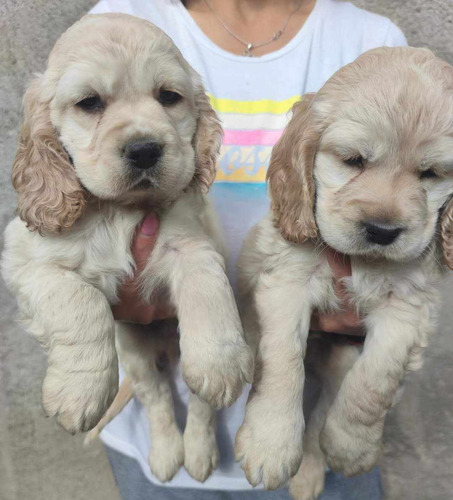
(167, 454)
(201, 454)
(350, 449)
(269, 447)
(308, 483)
(78, 400)
(217, 371)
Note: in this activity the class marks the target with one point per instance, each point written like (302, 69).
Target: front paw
(78, 400)
(350, 449)
(201, 454)
(216, 370)
(269, 446)
(167, 454)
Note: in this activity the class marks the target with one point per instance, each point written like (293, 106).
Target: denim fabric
(133, 485)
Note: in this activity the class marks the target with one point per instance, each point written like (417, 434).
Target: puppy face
(126, 110)
(380, 143)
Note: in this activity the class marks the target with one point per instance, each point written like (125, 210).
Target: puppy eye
(354, 161)
(428, 174)
(92, 103)
(168, 97)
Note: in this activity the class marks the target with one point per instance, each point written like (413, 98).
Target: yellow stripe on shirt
(222, 105)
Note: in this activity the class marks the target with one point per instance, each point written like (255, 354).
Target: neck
(233, 24)
(253, 5)
(246, 8)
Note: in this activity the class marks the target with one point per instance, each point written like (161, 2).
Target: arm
(346, 320)
(131, 307)
(396, 334)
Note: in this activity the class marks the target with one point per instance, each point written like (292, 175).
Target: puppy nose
(381, 233)
(143, 155)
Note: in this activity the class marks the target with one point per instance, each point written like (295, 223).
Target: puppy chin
(142, 194)
(356, 246)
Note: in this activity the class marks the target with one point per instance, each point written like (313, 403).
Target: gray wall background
(38, 459)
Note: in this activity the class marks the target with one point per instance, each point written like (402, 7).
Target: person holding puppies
(256, 59)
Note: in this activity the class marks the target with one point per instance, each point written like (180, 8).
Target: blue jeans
(133, 485)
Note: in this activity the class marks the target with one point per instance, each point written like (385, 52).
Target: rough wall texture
(426, 23)
(37, 459)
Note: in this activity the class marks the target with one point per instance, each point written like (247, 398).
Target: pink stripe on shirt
(251, 137)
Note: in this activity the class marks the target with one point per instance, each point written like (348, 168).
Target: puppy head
(378, 143)
(118, 114)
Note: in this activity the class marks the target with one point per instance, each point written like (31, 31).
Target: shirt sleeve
(395, 37)
(99, 8)
(108, 6)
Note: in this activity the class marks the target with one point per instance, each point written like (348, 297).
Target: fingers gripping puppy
(366, 167)
(118, 125)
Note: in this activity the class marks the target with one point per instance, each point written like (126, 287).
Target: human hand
(347, 320)
(131, 307)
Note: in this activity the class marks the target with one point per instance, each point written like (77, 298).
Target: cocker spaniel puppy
(119, 125)
(365, 166)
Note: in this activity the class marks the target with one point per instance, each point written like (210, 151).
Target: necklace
(249, 46)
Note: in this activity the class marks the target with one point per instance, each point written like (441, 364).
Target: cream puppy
(366, 167)
(119, 125)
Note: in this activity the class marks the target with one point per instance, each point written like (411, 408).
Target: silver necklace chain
(248, 45)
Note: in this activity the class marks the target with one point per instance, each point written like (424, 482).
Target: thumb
(145, 240)
(341, 268)
(339, 263)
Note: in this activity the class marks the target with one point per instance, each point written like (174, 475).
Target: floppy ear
(207, 140)
(290, 175)
(446, 222)
(50, 197)
(446, 232)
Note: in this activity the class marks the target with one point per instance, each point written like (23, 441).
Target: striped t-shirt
(252, 97)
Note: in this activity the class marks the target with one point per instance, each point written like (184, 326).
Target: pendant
(248, 51)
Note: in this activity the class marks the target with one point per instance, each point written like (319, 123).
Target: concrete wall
(37, 459)
(426, 23)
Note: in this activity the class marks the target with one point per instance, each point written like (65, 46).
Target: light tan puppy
(119, 125)
(366, 167)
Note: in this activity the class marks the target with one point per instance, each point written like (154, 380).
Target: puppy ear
(207, 141)
(50, 197)
(290, 175)
(446, 234)
(446, 221)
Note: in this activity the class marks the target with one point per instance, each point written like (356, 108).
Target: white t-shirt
(252, 97)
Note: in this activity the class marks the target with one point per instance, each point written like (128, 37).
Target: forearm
(284, 317)
(369, 389)
(73, 321)
(215, 359)
(351, 438)
(71, 312)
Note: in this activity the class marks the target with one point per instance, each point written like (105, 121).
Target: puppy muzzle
(143, 159)
(381, 233)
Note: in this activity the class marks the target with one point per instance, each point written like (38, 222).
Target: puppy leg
(201, 454)
(333, 363)
(269, 442)
(139, 356)
(215, 359)
(351, 438)
(74, 323)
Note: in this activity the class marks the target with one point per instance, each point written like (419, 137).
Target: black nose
(380, 233)
(143, 155)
